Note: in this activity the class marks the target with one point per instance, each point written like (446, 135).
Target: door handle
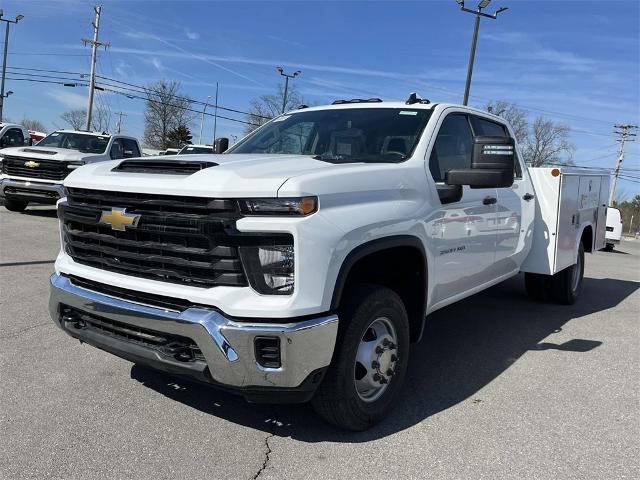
(489, 200)
(528, 196)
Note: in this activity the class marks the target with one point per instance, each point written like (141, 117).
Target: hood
(235, 175)
(48, 153)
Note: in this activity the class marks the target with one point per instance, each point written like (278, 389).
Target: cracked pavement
(499, 388)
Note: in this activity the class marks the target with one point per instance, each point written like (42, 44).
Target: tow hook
(74, 320)
(178, 351)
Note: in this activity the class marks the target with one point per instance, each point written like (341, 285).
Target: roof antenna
(414, 98)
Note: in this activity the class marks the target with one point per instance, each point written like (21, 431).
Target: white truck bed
(568, 199)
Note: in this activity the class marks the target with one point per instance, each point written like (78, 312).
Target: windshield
(188, 150)
(76, 141)
(341, 135)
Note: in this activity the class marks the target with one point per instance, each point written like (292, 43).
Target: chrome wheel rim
(575, 275)
(376, 360)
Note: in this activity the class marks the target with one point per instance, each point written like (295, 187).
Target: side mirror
(492, 164)
(221, 145)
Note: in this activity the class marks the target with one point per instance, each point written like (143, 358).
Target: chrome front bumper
(227, 345)
(32, 191)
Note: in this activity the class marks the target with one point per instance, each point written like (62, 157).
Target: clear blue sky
(577, 62)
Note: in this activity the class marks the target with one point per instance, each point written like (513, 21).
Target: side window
(453, 146)
(116, 151)
(482, 126)
(130, 148)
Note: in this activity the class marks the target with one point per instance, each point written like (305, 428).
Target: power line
(145, 90)
(45, 70)
(45, 81)
(178, 106)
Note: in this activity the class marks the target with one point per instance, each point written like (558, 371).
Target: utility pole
(286, 76)
(94, 47)
(625, 133)
(120, 115)
(4, 63)
(474, 42)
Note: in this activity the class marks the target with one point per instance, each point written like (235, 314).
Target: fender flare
(374, 246)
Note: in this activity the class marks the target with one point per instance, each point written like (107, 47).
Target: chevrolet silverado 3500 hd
(35, 173)
(300, 264)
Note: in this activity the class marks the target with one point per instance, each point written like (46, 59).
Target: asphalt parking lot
(500, 388)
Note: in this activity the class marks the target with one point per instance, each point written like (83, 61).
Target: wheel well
(587, 239)
(401, 269)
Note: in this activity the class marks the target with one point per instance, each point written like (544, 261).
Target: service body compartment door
(601, 224)
(568, 222)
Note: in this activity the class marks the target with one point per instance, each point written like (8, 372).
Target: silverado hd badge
(31, 164)
(119, 219)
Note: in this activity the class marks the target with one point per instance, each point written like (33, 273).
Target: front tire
(608, 247)
(369, 362)
(566, 285)
(15, 205)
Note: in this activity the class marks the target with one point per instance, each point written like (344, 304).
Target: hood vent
(42, 152)
(167, 167)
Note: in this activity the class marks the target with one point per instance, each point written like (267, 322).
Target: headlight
(269, 269)
(72, 165)
(279, 206)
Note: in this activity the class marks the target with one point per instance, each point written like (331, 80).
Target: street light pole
(286, 76)
(474, 42)
(4, 62)
(206, 104)
(215, 117)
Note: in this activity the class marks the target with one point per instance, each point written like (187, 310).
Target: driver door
(462, 232)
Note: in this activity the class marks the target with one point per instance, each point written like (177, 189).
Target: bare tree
(548, 144)
(166, 110)
(33, 124)
(543, 143)
(100, 120)
(74, 118)
(513, 114)
(265, 107)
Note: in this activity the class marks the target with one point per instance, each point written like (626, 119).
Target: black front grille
(34, 168)
(609, 229)
(177, 347)
(31, 192)
(186, 240)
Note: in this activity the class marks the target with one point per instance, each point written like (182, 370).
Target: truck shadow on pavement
(464, 348)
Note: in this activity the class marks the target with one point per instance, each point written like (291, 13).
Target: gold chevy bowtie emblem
(119, 219)
(31, 164)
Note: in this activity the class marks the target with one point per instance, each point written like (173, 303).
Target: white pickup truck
(35, 173)
(303, 262)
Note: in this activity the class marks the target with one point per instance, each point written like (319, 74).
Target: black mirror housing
(492, 164)
(221, 145)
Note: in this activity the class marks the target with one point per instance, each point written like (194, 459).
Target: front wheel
(566, 285)
(15, 205)
(369, 362)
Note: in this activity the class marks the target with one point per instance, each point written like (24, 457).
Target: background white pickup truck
(35, 173)
(301, 263)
